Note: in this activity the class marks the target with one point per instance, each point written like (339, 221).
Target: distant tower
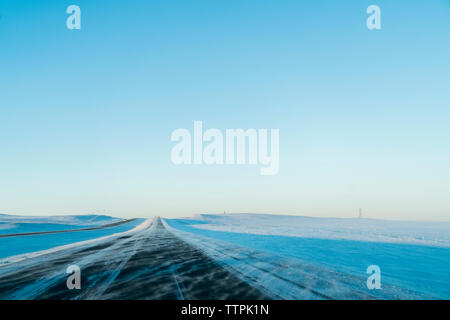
(360, 213)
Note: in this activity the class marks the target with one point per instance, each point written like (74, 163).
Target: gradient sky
(86, 115)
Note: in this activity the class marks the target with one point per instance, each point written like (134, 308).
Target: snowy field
(411, 232)
(17, 245)
(413, 256)
(10, 224)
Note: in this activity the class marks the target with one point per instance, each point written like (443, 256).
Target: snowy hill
(84, 220)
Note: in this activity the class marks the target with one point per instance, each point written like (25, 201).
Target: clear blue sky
(86, 115)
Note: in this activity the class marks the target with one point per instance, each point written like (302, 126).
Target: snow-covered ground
(412, 232)
(18, 245)
(10, 224)
(413, 256)
(94, 238)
